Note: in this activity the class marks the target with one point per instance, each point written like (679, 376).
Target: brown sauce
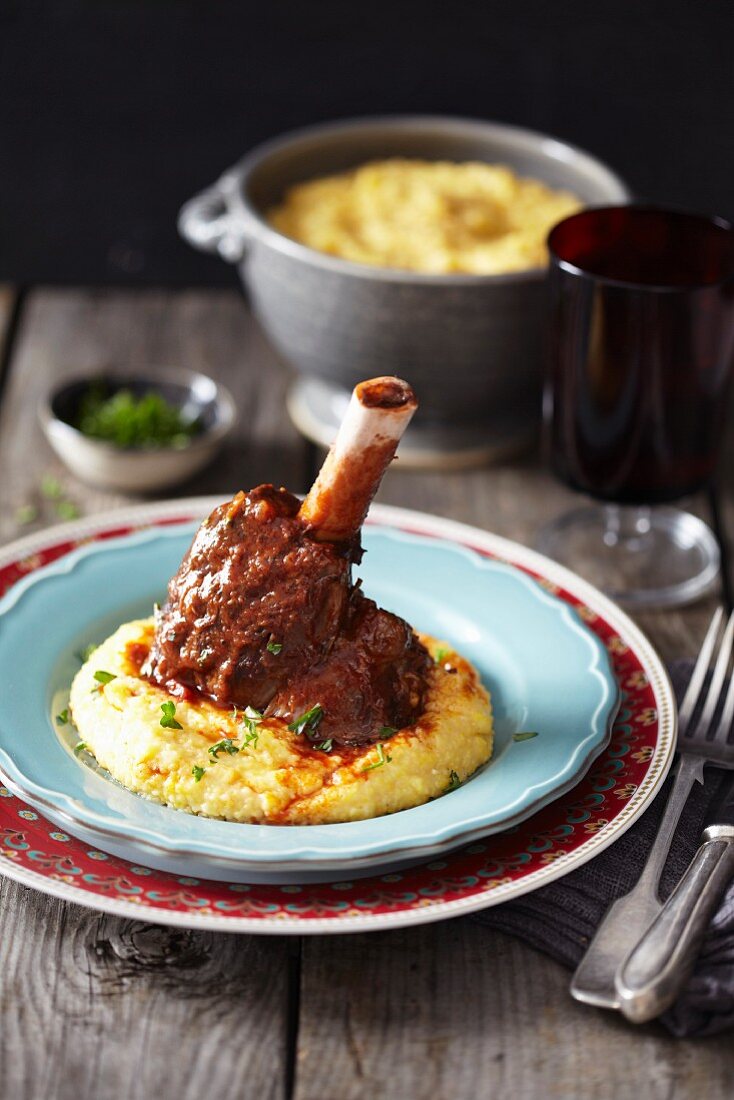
(262, 614)
(136, 654)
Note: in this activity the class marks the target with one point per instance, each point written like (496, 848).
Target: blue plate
(545, 670)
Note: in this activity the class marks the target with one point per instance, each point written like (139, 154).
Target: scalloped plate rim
(308, 856)
(657, 769)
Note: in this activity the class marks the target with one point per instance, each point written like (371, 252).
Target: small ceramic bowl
(139, 469)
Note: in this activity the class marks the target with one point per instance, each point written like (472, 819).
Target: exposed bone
(378, 413)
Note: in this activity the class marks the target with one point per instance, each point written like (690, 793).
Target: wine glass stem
(627, 525)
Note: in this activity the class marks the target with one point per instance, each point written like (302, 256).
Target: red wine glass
(641, 351)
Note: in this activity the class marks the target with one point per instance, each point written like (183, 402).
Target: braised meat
(263, 611)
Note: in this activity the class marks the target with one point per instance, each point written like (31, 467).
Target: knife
(655, 971)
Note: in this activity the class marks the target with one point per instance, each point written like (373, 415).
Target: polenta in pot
(435, 217)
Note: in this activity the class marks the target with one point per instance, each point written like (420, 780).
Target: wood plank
(459, 1011)
(93, 1007)
(726, 481)
(98, 1008)
(67, 332)
(127, 1009)
(7, 303)
(454, 1011)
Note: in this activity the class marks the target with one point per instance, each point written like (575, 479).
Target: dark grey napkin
(561, 919)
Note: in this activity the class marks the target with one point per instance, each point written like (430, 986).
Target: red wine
(641, 350)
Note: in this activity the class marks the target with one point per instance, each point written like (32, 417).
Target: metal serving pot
(471, 345)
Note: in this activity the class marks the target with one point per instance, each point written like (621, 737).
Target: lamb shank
(263, 611)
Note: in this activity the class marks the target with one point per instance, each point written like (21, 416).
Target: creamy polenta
(429, 216)
(241, 767)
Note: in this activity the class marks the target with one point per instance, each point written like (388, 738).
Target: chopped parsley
(308, 721)
(86, 653)
(168, 719)
(63, 717)
(387, 731)
(51, 487)
(103, 678)
(382, 758)
(453, 783)
(25, 514)
(441, 655)
(197, 772)
(125, 420)
(325, 746)
(67, 509)
(53, 491)
(79, 747)
(525, 736)
(274, 647)
(227, 745)
(251, 719)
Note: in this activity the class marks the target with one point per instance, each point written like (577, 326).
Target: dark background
(113, 112)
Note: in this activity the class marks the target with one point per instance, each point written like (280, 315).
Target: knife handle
(654, 972)
(631, 915)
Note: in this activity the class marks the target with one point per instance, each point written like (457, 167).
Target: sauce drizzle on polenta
(282, 777)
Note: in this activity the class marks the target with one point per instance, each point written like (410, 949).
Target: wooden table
(98, 1007)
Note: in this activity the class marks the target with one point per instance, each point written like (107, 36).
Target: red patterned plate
(619, 787)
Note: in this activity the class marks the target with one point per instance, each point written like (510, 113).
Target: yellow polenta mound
(277, 778)
(430, 216)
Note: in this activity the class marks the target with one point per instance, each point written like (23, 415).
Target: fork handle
(630, 916)
(658, 967)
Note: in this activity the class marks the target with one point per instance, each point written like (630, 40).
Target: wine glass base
(640, 557)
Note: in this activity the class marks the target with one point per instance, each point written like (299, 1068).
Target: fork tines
(708, 696)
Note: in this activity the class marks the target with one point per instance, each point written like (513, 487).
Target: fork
(629, 918)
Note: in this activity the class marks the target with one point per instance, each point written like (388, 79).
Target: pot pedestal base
(316, 408)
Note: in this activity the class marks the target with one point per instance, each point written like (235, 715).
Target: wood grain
(93, 1007)
(456, 1010)
(9, 308)
(97, 1008)
(726, 481)
(7, 302)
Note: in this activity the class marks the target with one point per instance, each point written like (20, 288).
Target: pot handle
(206, 221)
